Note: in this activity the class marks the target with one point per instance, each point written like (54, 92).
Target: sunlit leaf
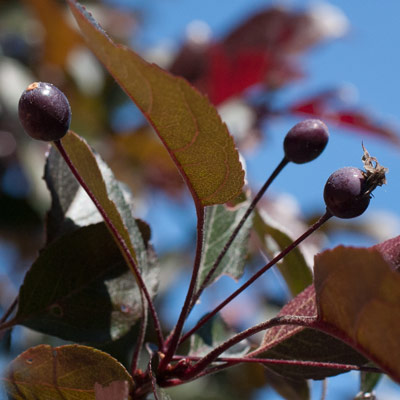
(274, 238)
(297, 343)
(186, 122)
(117, 390)
(220, 222)
(145, 153)
(68, 372)
(80, 289)
(358, 295)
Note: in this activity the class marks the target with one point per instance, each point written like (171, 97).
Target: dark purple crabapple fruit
(305, 141)
(345, 193)
(44, 112)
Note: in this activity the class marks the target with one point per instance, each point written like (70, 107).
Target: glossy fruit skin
(344, 193)
(44, 112)
(306, 141)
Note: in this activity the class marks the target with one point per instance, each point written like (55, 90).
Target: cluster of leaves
(80, 288)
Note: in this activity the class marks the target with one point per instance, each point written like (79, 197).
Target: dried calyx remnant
(348, 190)
(375, 174)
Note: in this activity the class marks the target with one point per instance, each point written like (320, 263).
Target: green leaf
(369, 380)
(80, 289)
(289, 342)
(161, 394)
(186, 122)
(71, 207)
(358, 295)
(220, 222)
(212, 334)
(68, 372)
(274, 239)
(76, 207)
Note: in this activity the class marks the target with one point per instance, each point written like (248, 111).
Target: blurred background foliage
(244, 74)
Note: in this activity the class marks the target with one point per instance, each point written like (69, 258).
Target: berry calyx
(306, 141)
(44, 111)
(346, 193)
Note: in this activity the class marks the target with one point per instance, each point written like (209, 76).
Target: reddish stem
(271, 263)
(153, 379)
(140, 340)
(9, 311)
(120, 240)
(231, 361)
(228, 244)
(214, 354)
(7, 325)
(172, 341)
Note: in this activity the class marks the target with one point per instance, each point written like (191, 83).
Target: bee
(375, 173)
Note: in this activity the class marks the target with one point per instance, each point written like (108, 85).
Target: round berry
(344, 193)
(306, 141)
(44, 112)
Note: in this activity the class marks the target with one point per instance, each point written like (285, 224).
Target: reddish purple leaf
(231, 74)
(390, 250)
(260, 50)
(302, 305)
(358, 297)
(297, 343)
(329, 107)
(357, 310)
(278, 29)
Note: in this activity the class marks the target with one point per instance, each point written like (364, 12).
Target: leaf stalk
(216, 352)
(173, 341)
(266, 267)
(239, 226)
